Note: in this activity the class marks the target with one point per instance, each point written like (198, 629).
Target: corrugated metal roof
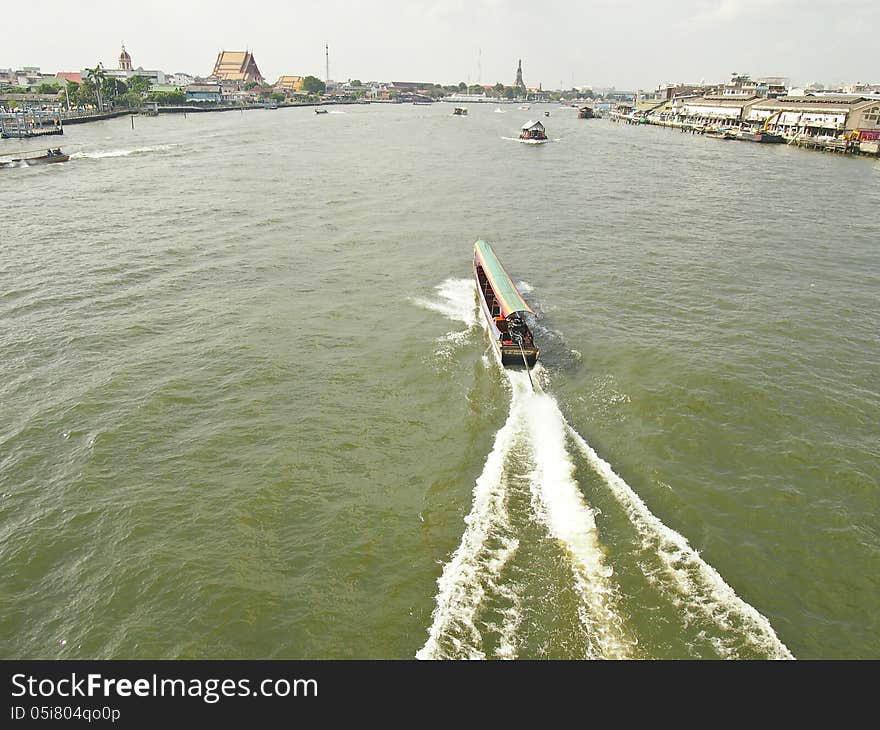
(719, 101)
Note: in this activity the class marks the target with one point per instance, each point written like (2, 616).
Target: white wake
(558, 502)
(537, 432)
(121, 153)
(699, 587)
(455, 301)
(463, 584)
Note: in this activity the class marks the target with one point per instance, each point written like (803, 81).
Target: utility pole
(326, 64)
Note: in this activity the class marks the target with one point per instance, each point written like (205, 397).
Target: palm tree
(96, 75)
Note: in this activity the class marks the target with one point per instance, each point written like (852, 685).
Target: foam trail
(558, 502)
(461, 590)
(696, 581)
(512, 619)
(121, 153)
(488, 543)
(456, 301)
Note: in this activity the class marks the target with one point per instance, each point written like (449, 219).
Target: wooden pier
(841, 146)
(30, 123)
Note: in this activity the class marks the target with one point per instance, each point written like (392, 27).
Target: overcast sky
(623, 43)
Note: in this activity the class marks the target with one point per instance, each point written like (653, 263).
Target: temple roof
(236, 66)
(290, 82)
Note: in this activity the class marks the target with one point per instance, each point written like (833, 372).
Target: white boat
(499, 110)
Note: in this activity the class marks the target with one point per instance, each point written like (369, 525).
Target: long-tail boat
(51, 155)
(503, 308)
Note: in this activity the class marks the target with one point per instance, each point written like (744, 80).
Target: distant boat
(720, 133)
(760, 136)
(320, 111)
(459, 111)
(51, 155)
(499, 110)
(546, 114)
(585, 112)
(524, 106)
(533, 133)
(503, 309)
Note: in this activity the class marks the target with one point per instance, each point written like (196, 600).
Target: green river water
(247, 409)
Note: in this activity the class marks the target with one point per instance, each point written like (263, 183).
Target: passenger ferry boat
(503, 309)
(533, 133)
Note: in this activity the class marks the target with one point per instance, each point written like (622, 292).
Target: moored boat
(51, 155)
(503, 309)
(720, 133)
(585, 112)
(761, 136)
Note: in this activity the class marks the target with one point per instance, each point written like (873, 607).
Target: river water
(247, 409)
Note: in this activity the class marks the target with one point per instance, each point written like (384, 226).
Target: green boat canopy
(508, 297)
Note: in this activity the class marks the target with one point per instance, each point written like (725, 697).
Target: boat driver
(518, 329)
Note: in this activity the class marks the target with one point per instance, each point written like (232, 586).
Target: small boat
(585, 112)
(720, 133)
(503, 309)
(51, 155)
(499, 110)
(320, 111)
(524, 106)
(546, 114)
(459, 111)
(533, 133)
(761, 136)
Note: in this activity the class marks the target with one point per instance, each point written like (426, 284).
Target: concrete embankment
(98, 117)
(93, 117)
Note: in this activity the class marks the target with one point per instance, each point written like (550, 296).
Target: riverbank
(77, 118)
(863, 148)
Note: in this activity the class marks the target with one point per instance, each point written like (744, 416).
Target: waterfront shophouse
(715, 109)
(835, 115)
